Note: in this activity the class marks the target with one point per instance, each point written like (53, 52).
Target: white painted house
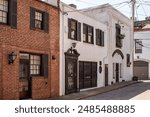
(142, 49)
(120, 42)
(84, 46)
(96, 48)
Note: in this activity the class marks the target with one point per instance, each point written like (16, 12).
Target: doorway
(25, 79)
(71, 59)
(71, 76)
(106, 74)
(117, 72)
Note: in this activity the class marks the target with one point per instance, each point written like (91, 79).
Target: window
(138, 46)
(8, 12)
(119, 36)
(39, 19)
(88, 34)
(35, 64)
(3, 11)
(74, 28)
(87, 74)
(128, 60)
(99, 37)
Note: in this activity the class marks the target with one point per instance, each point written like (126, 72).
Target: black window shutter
(46, 21)
(32, 18)
(97, 37)
(102, 38)
(128, 60)
(45, 65)
(12, 20)
(69, 28)
(79, 31)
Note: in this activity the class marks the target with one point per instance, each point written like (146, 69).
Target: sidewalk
(92, 92)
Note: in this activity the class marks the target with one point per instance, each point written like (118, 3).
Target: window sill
(100, 45)
(39, 30)
(88, 42)
(73, 39)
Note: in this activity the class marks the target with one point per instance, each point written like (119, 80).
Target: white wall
(144, 36)
(110, 16)
(88, 52)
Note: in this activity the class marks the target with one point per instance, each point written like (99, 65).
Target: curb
(108, 90)
(93, 92)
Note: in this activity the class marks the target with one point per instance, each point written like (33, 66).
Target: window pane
(38, 24)
(90, 39)
(38, 16)
(87, 70)
(38, 57)
(4, 14)
(90, 30)
(3, 10)
(1, 7)
(4, 20)
(73, 34)
(1, 2)
(1, 13)
(35, 62)
(84, 29)
(84, 37)
(73, 25)
(138, 45)
(1, 19)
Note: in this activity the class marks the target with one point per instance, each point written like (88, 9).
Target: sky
(124, 6)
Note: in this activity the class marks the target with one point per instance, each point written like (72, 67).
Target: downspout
(61, 41)
(108, 49)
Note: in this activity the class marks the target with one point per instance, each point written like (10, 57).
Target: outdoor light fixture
(11, 57)
(53, 57)
(74, 45)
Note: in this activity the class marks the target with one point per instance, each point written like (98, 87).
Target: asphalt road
(139, 91)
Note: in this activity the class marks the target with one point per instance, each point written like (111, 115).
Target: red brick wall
(0, 71)
(23, 39)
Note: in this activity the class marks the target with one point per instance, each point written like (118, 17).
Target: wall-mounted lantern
(11, 57)
(74, 45)
(100, 66)
(53, 57)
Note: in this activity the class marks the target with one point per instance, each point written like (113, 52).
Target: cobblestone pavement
(139, 91)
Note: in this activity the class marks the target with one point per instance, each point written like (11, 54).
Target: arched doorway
(141, 70)
(117, 65)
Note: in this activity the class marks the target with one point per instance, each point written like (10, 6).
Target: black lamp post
(11, 57)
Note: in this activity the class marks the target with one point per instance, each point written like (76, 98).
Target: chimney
(73, 5)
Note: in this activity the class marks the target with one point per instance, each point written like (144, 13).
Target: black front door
(71, 76)
(25, 80)
(117, 72)
(106, 74)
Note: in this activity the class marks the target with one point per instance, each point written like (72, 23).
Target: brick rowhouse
(35, 71)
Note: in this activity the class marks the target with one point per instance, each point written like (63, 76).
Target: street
(139, 91)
